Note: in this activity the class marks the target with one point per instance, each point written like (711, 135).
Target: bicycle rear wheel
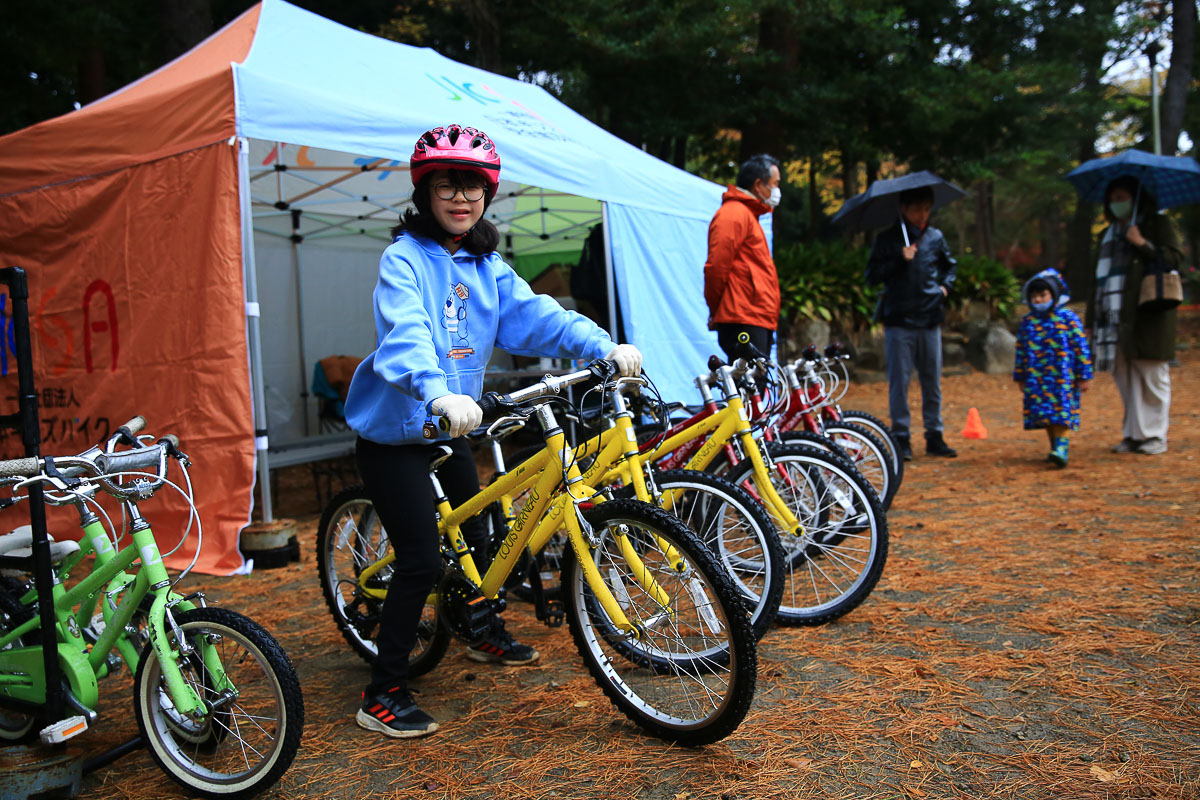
(350, 537)
(253, 712)
(738, 531)
(689, 677)
(837, 561)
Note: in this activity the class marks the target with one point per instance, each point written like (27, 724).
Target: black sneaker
(500, 647)
(935, 445)
(903, 445)
(394, 713)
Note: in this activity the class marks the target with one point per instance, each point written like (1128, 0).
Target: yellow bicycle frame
(544, 512)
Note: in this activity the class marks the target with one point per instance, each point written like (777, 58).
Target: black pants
(397, 482)
(727, 337)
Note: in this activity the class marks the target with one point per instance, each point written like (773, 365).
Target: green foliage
(826, 280)
(986, 281)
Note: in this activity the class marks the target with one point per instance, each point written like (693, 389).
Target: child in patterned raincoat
(1053, 363)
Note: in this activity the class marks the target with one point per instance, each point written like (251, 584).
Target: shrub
(826, 280)
(986, 281)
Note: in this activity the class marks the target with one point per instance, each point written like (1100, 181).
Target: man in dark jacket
(916, 269)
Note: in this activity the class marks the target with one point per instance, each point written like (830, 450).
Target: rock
(808, 331)
(994, 352)
(953, 353)
(976, 311)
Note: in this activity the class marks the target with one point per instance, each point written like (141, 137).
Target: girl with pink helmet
(445, 298)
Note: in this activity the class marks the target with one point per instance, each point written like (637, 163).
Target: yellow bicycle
(656, 619)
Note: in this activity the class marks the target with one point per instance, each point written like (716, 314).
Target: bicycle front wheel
(884, 433)
(689, 676)
(253, 710)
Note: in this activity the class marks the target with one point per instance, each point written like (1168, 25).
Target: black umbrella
(879, 205)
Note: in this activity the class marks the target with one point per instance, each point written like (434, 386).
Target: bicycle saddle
(19, 544)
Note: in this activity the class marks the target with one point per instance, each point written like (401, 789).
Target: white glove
(628, 359)
(461, 411)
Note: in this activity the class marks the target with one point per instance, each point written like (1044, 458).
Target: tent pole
(253, 337)
(297, 239)
(610, 278)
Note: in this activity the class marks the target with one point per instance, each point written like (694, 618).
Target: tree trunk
(485, 35)
(182, 25)
(1179, 78)
(984, 219)
(679, 152)
(849, 176)
(766, 133)
(814, 201)
(91, 74)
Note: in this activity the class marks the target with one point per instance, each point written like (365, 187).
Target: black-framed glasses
(447, 191)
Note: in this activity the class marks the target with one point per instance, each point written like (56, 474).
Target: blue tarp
(310, 81)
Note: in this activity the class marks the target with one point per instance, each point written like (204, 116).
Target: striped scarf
(1115, 257)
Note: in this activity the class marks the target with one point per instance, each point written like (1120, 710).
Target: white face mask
(1042, 308)
(773, 200)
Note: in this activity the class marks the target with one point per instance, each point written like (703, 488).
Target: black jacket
(912, 295)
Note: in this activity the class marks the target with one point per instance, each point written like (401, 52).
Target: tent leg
(610, 277)
(253, 335)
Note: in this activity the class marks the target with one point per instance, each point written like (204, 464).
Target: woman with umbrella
(1133, 342)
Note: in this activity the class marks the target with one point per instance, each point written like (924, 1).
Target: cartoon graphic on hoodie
(454, 320)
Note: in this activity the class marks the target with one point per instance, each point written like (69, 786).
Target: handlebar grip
(139, 460)
(715, 363)
(748, 351)
(489, 404)
(169, 439)
(810, 353)
(20, 468)
(134, 426)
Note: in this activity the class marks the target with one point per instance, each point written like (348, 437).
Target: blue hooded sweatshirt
(437, 318)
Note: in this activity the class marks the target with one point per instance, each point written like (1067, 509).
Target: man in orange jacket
(740, 284)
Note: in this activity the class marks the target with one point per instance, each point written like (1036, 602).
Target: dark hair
(921, 194)
(1039, 286)
(1145, 200)
(480, 240)
(756, 168)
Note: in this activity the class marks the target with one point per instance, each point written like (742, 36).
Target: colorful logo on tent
(503, 113)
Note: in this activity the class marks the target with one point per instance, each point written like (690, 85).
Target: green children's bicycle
(216, 700)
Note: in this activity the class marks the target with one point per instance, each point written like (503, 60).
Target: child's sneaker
(1058, 453)
(394, 713)
(501, 647)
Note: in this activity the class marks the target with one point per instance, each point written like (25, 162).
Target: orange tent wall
(127, 218)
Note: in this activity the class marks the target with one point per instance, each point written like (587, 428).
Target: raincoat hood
(1057, 284)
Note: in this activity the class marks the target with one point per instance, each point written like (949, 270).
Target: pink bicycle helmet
(456, 147)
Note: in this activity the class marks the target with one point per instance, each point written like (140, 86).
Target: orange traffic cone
(974, 428)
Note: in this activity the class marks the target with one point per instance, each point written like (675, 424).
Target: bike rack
(60, 774)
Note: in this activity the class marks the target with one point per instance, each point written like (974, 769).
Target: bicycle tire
(15, 727)
(349, 538)
(847, 553)
(884, 433)
(264, 717)
(868, 454)
(738, 531)
(715, 683)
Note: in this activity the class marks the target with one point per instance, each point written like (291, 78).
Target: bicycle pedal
(62, 730)
(554, 615)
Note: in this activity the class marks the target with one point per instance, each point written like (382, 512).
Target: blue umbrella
(1173, 180)
(879, 205)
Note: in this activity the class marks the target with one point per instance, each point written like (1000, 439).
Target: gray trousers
(906, 349)
(1145, 388)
